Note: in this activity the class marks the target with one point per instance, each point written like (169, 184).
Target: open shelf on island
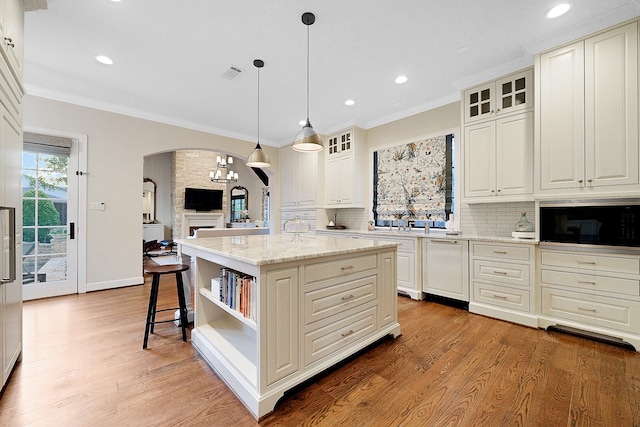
(236, 314)
(235, 344)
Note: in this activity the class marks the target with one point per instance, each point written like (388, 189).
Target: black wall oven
(607, 223)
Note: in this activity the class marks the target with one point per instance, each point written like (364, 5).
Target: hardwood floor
(84, 365)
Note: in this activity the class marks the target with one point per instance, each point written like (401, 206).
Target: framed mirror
(148, 201)
(239, 204)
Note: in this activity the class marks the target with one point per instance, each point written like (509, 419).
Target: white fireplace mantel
(200, 219)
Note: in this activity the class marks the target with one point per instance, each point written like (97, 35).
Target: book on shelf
(237, 291)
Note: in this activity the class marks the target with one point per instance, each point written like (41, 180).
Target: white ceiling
(170, 56)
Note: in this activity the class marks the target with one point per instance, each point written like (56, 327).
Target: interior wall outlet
(97, 206)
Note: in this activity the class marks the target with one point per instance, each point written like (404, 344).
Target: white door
(50, 216)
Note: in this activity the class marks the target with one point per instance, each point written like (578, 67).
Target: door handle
(72, 230)
(12, 246)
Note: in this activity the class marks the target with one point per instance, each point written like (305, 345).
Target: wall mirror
(148, 201)
(239, 204)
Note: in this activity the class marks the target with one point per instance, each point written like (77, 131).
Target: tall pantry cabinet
(587, 116)
(11, 98)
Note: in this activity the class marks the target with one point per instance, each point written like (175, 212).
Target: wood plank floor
(84, 365)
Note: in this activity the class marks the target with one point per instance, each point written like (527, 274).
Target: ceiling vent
(232, 72)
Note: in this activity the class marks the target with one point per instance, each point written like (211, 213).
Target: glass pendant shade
(258, 158)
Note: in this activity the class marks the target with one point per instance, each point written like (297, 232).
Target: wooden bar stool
(156, 271)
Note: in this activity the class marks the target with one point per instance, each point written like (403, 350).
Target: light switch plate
(97, 206)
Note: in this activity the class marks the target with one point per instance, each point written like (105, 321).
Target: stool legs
(153, 301)
(151, 312)
(184, 321)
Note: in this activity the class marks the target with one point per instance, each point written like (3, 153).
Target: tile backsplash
(494, 219)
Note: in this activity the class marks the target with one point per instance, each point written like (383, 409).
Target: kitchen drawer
(591, 282)
(501, 296)
(517, 252)
(612, 313)
(332, 300)
(339, 267)
(599, 262)
(502, 272)
(334, 336)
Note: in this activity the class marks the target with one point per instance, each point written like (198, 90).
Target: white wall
(116, 146)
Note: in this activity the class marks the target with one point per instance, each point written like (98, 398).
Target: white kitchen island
(301, 307)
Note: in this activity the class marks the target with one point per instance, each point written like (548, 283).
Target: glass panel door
(48, 205)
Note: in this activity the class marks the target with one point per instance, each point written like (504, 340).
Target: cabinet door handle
(587, 262)
(447, 242)
(346, 334)
(499, 272)
(500, 252)
(592, 310)
(500, 297)
(347, 298)
(586, 283)
(345, 269)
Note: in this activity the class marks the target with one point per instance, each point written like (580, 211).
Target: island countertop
(278, 248)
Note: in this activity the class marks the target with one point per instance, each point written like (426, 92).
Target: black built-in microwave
(612, 223)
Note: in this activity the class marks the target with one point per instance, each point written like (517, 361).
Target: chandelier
(223, 172)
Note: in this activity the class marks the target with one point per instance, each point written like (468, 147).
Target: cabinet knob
(590, 180)
(9, 42)
(580, 181)
(493, 191)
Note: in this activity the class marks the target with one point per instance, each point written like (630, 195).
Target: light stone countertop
(431, 235)
(278, 248)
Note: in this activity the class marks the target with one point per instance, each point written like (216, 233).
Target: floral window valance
(410, 180)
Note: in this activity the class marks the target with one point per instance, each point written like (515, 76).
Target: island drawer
(517, 252)
(613, 313)
(338, 267)
(334, 336)
(331, 300)
(502, 272)
(597, 262)
(591, 282)
(515, 299)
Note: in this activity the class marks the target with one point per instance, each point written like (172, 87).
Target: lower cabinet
(503, 281)
(594, 292)
(445, 268)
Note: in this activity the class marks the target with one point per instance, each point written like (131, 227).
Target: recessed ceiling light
(395, 103)
(104, 60)
(349, 102)
(116, 1)
(558, 10)
(401, 79)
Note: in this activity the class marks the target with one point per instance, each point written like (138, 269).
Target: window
(414, 182)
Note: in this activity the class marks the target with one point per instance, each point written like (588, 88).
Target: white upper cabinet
(587, 116)
(504, 96)
(345, 169)
(498, 158)
(298, 178)
(11, 30)
(498, 150)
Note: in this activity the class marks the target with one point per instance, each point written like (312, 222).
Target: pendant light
(307, 139)
(258, 159)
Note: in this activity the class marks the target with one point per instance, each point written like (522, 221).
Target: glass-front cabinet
(506, 95)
